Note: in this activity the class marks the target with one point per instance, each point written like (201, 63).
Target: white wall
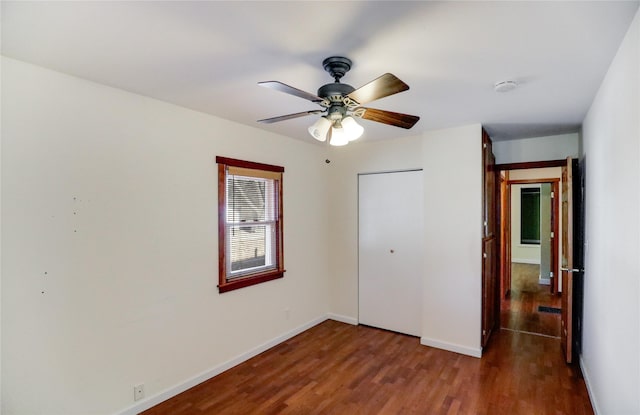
(453, 239)
(611, 143)
(109, 244)
(453, 229)
(556, 147)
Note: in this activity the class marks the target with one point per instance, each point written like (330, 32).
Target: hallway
(520, 310)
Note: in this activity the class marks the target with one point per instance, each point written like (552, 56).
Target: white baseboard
(208, 374)
(587, 381)
(525, 261)
(343, 319)
(469, 351)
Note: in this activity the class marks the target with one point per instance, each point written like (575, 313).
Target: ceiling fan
(342, 102)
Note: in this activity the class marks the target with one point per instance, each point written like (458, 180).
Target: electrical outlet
(138, 392)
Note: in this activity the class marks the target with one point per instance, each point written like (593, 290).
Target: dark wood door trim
(505, 238)
(531, 165)
(534, 181)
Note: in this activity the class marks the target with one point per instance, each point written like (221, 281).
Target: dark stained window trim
(225, 285)
(249, 164)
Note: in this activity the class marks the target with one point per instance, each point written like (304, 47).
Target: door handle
(571, 269)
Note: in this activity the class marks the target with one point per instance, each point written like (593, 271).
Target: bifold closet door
(390, 244)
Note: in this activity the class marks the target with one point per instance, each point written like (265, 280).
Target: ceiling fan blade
(383, 86)
(289, 116)
(387, 117)
(279, 86)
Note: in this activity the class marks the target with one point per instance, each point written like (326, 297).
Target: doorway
(530, 222)
(568, 276)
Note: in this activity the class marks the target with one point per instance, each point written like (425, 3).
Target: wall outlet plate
(138, 392)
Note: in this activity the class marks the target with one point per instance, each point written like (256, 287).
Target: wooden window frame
(260, 170)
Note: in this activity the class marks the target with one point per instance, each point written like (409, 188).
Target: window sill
(250, 280)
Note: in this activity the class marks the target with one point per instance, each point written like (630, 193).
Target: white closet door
(390, 251)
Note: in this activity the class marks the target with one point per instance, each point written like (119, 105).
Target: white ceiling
(209, 56)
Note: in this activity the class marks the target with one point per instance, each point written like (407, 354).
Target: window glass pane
(250, 199)
(250, 248)
(250, 225)
(530, 216)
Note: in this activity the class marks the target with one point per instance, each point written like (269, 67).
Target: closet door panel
(390, 250)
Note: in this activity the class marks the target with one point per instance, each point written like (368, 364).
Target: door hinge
(484, 255)
(552, 235)
(484, 332)
(553, 195)
(484, 145)
(551, 274)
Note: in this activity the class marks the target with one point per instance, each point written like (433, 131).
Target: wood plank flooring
(520, 310)
(336, 368)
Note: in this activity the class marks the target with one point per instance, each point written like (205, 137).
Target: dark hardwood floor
(520, 310)
(336, 368)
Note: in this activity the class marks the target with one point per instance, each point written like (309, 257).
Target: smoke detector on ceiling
(505, 86)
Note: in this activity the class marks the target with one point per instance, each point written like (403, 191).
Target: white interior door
(390, 242)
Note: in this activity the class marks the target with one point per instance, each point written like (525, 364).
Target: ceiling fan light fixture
(320, 128)
(351, 128)
(338, 137)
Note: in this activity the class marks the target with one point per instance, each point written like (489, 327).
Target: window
(249, 223)
(530, 216)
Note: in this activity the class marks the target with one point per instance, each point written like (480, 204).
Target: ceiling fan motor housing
(335, 89)
(335, 93)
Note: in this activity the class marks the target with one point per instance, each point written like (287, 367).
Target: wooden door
(390, 239)
(566, 329)
(549, 232)
(490, 301)
(555, 213)
(489, 314)
(505, 236)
